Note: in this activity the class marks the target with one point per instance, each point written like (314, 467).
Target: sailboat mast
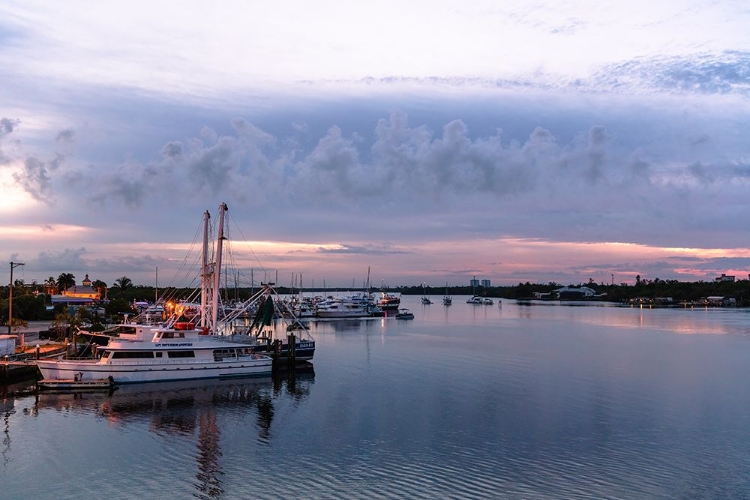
(217, 267)
(205, 274)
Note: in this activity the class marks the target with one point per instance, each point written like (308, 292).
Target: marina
(553, 400)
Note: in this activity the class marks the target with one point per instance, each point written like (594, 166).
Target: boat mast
(205, 274)
(217, 266)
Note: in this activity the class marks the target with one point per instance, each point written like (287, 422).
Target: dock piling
(291, 349)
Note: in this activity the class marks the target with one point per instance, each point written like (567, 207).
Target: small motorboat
(404, 314)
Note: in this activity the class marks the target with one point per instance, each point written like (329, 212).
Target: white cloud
(377, 129)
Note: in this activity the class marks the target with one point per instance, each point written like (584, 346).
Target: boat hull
(303, 351)
(137, 373)
(342, 314)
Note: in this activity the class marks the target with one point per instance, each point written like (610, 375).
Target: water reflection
(188, 409)
(683, 320)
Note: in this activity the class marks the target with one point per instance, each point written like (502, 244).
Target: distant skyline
(429, 141)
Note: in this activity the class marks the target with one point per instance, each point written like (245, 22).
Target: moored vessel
(180, 352)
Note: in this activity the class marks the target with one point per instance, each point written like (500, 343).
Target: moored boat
(388, 302)
(181, 352)
(341, 308)
(447, 299)
(404, 314)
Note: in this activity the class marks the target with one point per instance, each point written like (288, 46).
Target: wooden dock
(11, 371)
(104, 384)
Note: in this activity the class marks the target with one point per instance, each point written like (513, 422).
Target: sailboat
(425, 299)
(447, 299)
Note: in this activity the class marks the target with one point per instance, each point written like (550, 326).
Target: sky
(427, 141)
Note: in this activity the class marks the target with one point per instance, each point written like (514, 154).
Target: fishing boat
(230, 325)
(388, 302)
(425, 299)
(179, 352)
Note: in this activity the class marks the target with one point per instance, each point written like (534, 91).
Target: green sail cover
(264, 314)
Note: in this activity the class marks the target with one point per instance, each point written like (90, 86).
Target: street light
(13, 265)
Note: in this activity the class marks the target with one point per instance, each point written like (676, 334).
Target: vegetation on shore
(32, 302)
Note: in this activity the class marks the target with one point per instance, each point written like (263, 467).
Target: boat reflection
(189, 408)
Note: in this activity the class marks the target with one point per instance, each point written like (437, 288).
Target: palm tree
(50, 286)
(123, 283)
(100, 287)
(65, 281)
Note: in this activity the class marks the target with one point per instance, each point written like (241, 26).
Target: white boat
(476, 300)
(125, 331)
(447, 299)
(341, 308)
(181, 352)
(487, 301)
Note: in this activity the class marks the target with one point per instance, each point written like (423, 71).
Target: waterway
(548, 400)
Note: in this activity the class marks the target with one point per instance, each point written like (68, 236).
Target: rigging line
(248, 243)
(183, 264)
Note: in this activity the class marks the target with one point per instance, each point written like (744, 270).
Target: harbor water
(522, 401)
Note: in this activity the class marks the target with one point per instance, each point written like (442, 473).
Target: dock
(104, 384)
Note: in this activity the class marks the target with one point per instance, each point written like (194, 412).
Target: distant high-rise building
(486, 283)
(474, 281)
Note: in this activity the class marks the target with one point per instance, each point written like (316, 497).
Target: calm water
(540, 401)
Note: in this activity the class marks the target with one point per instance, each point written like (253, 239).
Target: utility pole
(10, 294)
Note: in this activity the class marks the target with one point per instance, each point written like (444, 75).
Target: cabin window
(181, 354)
(132, 355)
(158, 355)
(173, 335)
(220, 354)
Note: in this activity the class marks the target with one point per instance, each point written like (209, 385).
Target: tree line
(31, 302)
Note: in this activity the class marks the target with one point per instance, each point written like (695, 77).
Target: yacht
(388, 302)
(179, 352)
(341, 308)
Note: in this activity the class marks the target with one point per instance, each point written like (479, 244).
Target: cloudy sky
(427, 140)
